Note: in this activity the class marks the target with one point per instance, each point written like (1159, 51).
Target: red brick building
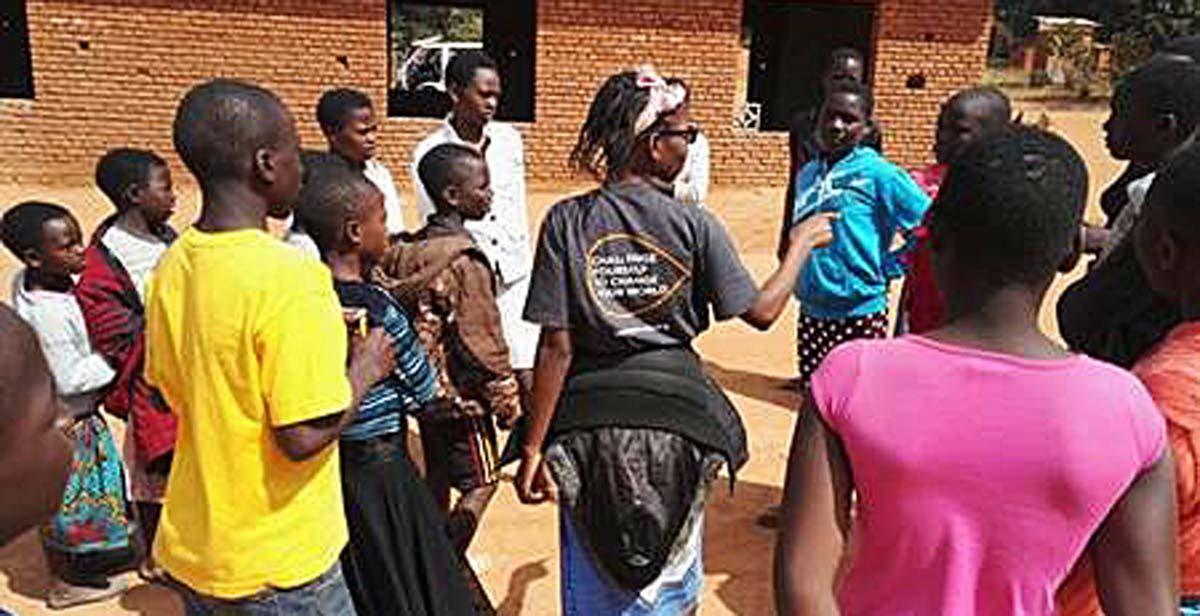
(103, 73)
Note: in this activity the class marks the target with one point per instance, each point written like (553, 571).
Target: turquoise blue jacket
(876, 200)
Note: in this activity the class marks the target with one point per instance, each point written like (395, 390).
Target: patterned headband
(663, 98)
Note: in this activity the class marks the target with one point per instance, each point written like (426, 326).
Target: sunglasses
(689, 133)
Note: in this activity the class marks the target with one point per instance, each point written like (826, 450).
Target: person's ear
(352, 232)
(32, 258)
(265, 165)
(452, 195)
(657, 153)
(1168, 252)
(132, 194)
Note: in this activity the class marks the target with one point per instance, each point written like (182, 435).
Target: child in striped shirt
(398, 561)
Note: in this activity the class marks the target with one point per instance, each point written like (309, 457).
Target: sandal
(63, 595)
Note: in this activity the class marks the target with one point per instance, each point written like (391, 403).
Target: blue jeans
(325, 596)
(586, 592)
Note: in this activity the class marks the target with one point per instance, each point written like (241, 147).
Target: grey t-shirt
(627, 268)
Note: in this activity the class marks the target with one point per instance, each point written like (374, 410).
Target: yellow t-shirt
(243, 334)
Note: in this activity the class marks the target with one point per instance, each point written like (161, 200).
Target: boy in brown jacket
(445, 283)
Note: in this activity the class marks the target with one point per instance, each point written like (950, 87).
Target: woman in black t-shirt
(627, 421)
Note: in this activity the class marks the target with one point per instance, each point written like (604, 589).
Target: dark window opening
(16, 65)
(424, 36)
(790, 43)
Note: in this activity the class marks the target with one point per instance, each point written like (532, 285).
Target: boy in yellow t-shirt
(246, 341)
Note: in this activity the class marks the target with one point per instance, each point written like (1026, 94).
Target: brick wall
(110, 72)
(944, 41)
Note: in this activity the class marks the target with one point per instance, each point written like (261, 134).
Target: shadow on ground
(737, 551)
(518, 587)
(770, 389)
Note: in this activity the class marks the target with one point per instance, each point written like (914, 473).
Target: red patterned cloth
(921, 303)
(116, 323)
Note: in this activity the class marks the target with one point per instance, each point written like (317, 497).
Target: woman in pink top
(984, 456)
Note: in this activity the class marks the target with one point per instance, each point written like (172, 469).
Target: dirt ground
(516, 549)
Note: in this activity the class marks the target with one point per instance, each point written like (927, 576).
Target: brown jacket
(445, 283)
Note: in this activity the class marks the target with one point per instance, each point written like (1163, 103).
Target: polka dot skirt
(815, 338)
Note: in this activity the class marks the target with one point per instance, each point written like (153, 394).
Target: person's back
(642, 252)
(984, 455)
(928, 425)
(245, 339)
(217, 302)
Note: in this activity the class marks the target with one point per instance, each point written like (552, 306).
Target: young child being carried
(91, 537)
(843, 288)
(445, 283)
(398, 560)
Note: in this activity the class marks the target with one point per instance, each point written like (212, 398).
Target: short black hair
(1184, 46)
(842, 54)
(330, 198)
(999, 107)
(1177, 187)
(853, 87)
(439, 168)
(1168, 86)
(221, 123)
(122, 168)
(463, 66)
(336, 105)
(313, 162)
(23, 226)
(1013, 203)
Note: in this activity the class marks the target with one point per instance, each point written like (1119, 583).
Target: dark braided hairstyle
(1013, 203)
(607, 140)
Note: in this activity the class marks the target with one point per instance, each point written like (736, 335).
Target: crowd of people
(970, 464)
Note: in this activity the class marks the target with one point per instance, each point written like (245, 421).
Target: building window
(16, 67)
(425, 35)
(788, 44)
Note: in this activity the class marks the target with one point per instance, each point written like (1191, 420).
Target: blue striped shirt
(413, 384)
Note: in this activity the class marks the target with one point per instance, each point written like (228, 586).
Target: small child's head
(967, 116)
(45, 237)
(1008, 214)
(845, 64)
(1155, 110)
(35, 454)
(845, 117)
(347, 120)
(456, 178)
(342, 211)
(1167, 236)
(137, 181)
(232, 132)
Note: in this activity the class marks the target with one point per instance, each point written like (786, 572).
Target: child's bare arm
(1134, 549)
(372, 360)
(814, 232)
(815, 519)
(554, 355)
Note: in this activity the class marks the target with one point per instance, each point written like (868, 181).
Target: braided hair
(607, 140)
